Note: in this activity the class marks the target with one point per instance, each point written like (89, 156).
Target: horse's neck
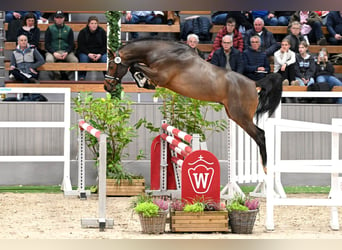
(135, 55)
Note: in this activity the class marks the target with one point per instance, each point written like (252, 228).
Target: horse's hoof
(149, 86)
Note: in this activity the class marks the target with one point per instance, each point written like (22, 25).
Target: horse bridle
(116, 60)
(109, 77)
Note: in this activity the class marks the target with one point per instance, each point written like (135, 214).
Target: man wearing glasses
(228, 29)
(255, 62)
(227, 56)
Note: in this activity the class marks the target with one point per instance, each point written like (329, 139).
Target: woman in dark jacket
(305, 66)
(92, 44)
(31, 30)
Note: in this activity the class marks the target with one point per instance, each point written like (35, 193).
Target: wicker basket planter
(125, 188)
(207, 221)
(153, 225)
(242, 222)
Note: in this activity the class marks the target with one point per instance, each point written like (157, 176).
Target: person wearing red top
(228, 29)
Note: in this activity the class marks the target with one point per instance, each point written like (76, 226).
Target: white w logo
(201, 178)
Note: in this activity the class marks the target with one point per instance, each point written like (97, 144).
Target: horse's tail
(271, 88)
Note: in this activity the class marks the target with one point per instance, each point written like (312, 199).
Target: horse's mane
(177, 46)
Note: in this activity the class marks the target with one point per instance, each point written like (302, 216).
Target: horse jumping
(174, 65)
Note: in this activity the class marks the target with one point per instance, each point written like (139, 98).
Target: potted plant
(198, 216)
(242, 212)
(111, 116)
(152, 213)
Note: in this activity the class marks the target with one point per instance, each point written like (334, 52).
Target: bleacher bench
(69, 67)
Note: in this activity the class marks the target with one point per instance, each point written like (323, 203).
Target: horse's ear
(110, 53)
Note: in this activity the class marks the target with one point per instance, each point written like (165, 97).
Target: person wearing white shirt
(284, 63)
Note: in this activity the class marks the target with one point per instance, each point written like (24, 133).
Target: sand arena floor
(53, 216)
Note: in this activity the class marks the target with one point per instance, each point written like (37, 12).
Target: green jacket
(59, 38)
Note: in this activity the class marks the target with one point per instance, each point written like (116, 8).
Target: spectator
(323, 14)
(59, 43)
(17, 15)
(294, 36)
(31, 30)
(283, 17)
(269, 18)
(311, 26)
(92, 44)
(219, 17)
(334, 26)
(193, 40)
(148, 17)
(284, 63)
(229, 29)
(14, 20)
(325, 71)
(227, 56)
(268, 43)
(255, 62)
(24, 61)
(305, 66)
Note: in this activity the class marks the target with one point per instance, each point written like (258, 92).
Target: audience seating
(97, 86)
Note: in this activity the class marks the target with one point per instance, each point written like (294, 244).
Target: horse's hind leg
(257, 134)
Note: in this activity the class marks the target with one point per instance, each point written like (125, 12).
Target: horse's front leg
(155, 76)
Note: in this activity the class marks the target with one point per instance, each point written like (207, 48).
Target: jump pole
(100, 222)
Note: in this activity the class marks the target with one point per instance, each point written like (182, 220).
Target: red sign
(201, 177)
(155, 167)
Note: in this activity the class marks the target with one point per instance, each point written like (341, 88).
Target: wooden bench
(80, 86)
(98, 86)
(174, 28)
(304, 88)
(69, 67)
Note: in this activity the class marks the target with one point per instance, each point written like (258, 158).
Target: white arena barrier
(65, 124)
(275, 193)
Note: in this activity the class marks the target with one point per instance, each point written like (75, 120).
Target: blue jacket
(252, 60)
(334, 23)
(235, 59)
(268, 42)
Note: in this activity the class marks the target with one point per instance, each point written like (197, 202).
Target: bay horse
(174, 65)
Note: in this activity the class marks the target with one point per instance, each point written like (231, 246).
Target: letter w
(201, 178)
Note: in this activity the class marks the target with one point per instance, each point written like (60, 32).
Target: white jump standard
(100, 222)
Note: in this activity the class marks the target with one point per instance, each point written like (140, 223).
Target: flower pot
(207, 221)
(153, 225)
(125, 187)
(242, 222)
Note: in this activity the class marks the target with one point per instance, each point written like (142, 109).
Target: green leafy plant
(150, 206)
(240, 203)
(148, 209)
(111, 116)
(114, 41)
(199, 204)
(186, 114)
(194, 208)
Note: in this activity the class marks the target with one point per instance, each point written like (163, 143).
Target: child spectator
(284, 63)
(305, 66)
